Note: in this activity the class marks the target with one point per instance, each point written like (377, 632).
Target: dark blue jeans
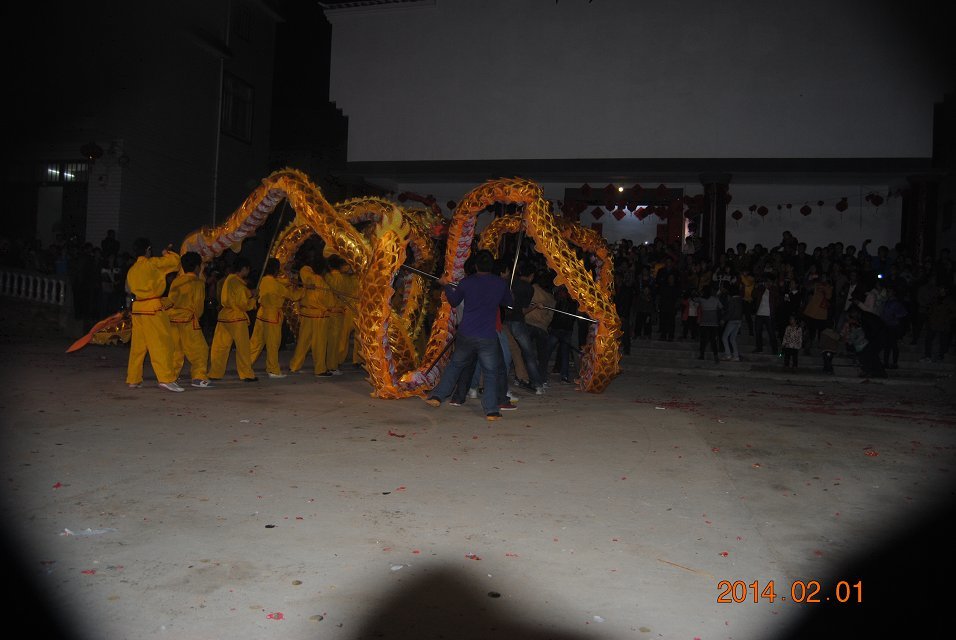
(529, 351)
(560, 339)
(761, 323)
(487, 351)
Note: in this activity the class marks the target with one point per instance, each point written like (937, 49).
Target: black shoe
(325, 374)
(250, 379)
(527, 386)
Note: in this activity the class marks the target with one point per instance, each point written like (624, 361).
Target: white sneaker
(276, 375)
(539, 391)
(335, 372)
(473, 393)
(512, 397)
(171, 386)
(135, 385)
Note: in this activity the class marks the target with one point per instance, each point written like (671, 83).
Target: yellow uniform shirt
(318, 300)
(187, 293)
(146, 280)
(273, 294)
(236, 300)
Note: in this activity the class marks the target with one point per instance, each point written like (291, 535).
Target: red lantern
(597, 213)
(618, 213)
(752, 208)
(762, 211)
(586, 190)
(451, 205)
(609, 190)
(805, 210)
(736, 215)
(842, 205)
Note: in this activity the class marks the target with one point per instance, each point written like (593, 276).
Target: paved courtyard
(302, 508)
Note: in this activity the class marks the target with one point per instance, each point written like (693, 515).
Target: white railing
(35, 287)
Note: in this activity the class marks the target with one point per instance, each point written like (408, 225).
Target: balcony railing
(35, 287)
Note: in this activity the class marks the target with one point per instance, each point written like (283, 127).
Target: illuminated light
(620, 189)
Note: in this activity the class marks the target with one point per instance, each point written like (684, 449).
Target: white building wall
(503, 79)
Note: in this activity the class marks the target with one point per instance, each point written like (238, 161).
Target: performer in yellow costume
(152, 334)
(187, 293)
(314, 319)
(267, 333)
(348, 287)
(338, 331)
(232, 327)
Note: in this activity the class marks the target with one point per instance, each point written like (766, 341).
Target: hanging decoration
(874, 198)
(737, 215)
(619, 201)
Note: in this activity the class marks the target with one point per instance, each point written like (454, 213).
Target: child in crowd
(689, 315)
(792, 341)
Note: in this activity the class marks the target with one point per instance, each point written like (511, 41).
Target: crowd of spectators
(872, 299)
(868, 300)
(96, 273)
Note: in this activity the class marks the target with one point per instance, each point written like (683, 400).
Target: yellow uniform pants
(153, 335)
(342, 343)
(227, 334)
(190, 344)
(313, 336)
(267, 335)
(336, 327)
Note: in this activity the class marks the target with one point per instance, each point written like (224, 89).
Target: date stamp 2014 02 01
(800, 592)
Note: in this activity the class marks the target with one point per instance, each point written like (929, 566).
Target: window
(237, 99)
(243, 21)
(64, 171)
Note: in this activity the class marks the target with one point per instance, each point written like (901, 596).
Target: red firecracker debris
(724, 553)
(472, 556)
(57, 485)
(278, 615)
(396, 435)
